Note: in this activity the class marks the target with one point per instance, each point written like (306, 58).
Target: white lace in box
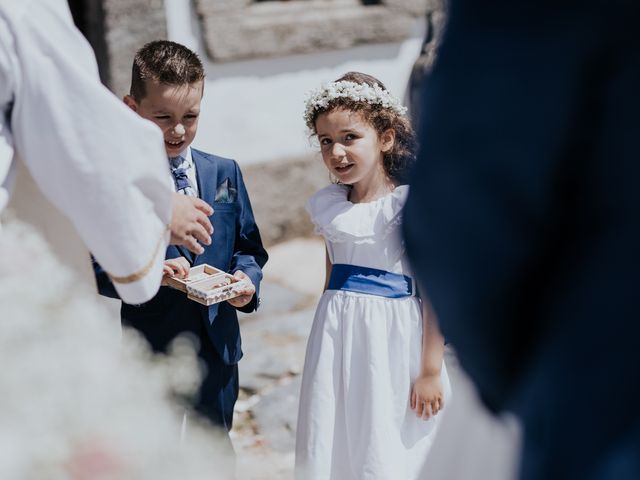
(208, 285)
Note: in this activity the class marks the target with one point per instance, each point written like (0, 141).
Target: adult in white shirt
(95, 160)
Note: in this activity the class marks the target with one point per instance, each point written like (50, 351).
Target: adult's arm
(93, 158)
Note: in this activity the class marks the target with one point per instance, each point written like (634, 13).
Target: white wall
(252, 110)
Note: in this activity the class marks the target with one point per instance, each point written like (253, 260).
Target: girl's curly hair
(398, 161)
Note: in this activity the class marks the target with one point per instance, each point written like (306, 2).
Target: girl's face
(351, 148)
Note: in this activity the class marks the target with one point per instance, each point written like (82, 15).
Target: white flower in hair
(358, 92)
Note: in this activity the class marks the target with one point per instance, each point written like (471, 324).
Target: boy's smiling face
(174, 108)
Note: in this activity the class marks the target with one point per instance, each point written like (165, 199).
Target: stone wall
(279, 191)
(129, 25)
(238, 29)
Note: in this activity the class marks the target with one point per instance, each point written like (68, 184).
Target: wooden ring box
(208, 285)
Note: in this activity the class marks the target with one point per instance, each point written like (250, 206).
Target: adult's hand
(175, 267)
(190, 222)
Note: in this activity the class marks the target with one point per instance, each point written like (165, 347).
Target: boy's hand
(426, 395)
(175, 267)
(246, 294)
(190, 222)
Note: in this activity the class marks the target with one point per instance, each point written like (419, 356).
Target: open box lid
(196, 274)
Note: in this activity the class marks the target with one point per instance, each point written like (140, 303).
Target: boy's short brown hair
(166, 62)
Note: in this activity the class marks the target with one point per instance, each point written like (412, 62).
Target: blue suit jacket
(236, 245)
(522, 223)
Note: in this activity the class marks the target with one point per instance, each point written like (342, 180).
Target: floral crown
(359, 92)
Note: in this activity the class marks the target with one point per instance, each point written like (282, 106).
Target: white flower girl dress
(364, 350)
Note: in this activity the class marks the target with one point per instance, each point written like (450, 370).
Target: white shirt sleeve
(94, 159)
(6, 98)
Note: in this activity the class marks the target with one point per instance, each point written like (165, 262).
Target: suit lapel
(206, 178)
(206, 175)
(186, 253)
(205, 169)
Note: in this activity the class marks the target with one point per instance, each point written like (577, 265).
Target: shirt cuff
(142, 286)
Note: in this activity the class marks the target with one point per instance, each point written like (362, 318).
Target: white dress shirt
(93, 158)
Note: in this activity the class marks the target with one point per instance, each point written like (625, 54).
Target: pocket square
(225, 193)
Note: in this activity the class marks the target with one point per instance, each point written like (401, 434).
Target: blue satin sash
(370, 281)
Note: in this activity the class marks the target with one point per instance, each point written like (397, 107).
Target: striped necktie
(179, 171)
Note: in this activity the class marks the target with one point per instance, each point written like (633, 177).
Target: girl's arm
(328, 265)
(432, 342)
(427, 394)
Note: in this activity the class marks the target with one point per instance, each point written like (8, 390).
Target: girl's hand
(175, 267)
(427, 398)
(246, 294)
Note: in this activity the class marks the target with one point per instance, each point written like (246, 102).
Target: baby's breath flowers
(358, 92)
(77, 401)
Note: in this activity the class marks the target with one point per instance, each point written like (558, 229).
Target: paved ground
(471, 443)
(274, 340)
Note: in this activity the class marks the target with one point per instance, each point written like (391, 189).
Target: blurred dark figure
(89, 18)
(435, 21)
(523, 222)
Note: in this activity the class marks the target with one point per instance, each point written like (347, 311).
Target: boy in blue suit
(166, 88)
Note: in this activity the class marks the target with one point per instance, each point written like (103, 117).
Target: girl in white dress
(374, 377)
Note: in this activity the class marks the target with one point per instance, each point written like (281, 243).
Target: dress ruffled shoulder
(338, 219)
